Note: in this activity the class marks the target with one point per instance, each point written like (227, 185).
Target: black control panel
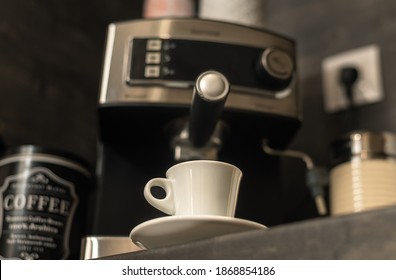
(176, 62)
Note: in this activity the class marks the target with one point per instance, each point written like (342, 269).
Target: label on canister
(38, 209)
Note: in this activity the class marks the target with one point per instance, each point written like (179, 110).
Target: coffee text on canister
(35, 202)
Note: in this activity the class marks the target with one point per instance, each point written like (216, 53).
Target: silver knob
(277, 63)
(212, 86)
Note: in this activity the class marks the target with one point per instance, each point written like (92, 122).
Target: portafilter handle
(210, 93)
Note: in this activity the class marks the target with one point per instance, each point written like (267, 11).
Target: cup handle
(165, 204)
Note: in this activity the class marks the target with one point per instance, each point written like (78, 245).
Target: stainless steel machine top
(157, 61)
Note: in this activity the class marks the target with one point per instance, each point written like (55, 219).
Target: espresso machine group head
(176, 89)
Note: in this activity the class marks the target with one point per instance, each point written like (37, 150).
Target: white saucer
(175, 230)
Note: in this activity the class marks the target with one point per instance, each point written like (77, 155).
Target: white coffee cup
(199, 187)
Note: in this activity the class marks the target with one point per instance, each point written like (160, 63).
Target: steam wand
(316, 177)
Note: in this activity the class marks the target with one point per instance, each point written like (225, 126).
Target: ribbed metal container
(363, 174)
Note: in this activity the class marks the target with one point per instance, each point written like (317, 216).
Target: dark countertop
(369, 235)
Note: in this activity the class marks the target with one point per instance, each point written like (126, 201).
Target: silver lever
(210, 93)
(200, 136)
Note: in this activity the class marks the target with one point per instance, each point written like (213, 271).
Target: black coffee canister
(44, 196)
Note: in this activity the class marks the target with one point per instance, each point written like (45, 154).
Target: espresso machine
(153, 112)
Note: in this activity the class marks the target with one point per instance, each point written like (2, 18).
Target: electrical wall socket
(367, 89)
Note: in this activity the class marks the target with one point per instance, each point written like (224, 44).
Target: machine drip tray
(368, 235)
(93, 247)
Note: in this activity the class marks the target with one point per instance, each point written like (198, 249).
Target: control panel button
(152, 71)
(278, 63)
(153, 58)
(275, 69)
(154, 45)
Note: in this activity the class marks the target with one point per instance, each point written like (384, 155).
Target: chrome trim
(107, 61)
(160, 82)
(370, 144)
(186, 84)
(117, 62)
(93, 247)
(364, 145)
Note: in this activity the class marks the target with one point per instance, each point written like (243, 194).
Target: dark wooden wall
(50, 64)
